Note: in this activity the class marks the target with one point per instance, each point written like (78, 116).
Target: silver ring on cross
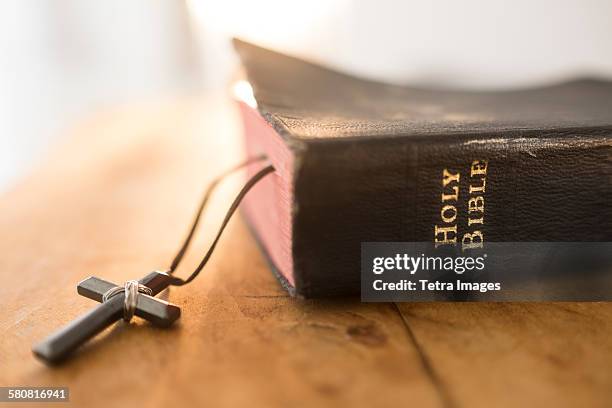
(131, 289)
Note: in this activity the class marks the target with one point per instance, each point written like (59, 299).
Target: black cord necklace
(137, 297)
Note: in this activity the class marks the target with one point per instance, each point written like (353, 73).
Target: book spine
(460, 191)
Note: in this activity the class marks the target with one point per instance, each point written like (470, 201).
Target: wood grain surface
(114, 198)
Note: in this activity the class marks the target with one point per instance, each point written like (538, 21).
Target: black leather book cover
(377, 162)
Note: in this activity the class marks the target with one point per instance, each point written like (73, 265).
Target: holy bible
(361, 161)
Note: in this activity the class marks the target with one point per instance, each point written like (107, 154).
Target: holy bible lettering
(446, 231)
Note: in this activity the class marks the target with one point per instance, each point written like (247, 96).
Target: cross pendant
(66, 340)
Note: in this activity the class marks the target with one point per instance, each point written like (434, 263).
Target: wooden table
(115, 198)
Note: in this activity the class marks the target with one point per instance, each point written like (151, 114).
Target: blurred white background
(61, 60)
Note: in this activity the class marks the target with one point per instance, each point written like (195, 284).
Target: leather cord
(228, 215)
